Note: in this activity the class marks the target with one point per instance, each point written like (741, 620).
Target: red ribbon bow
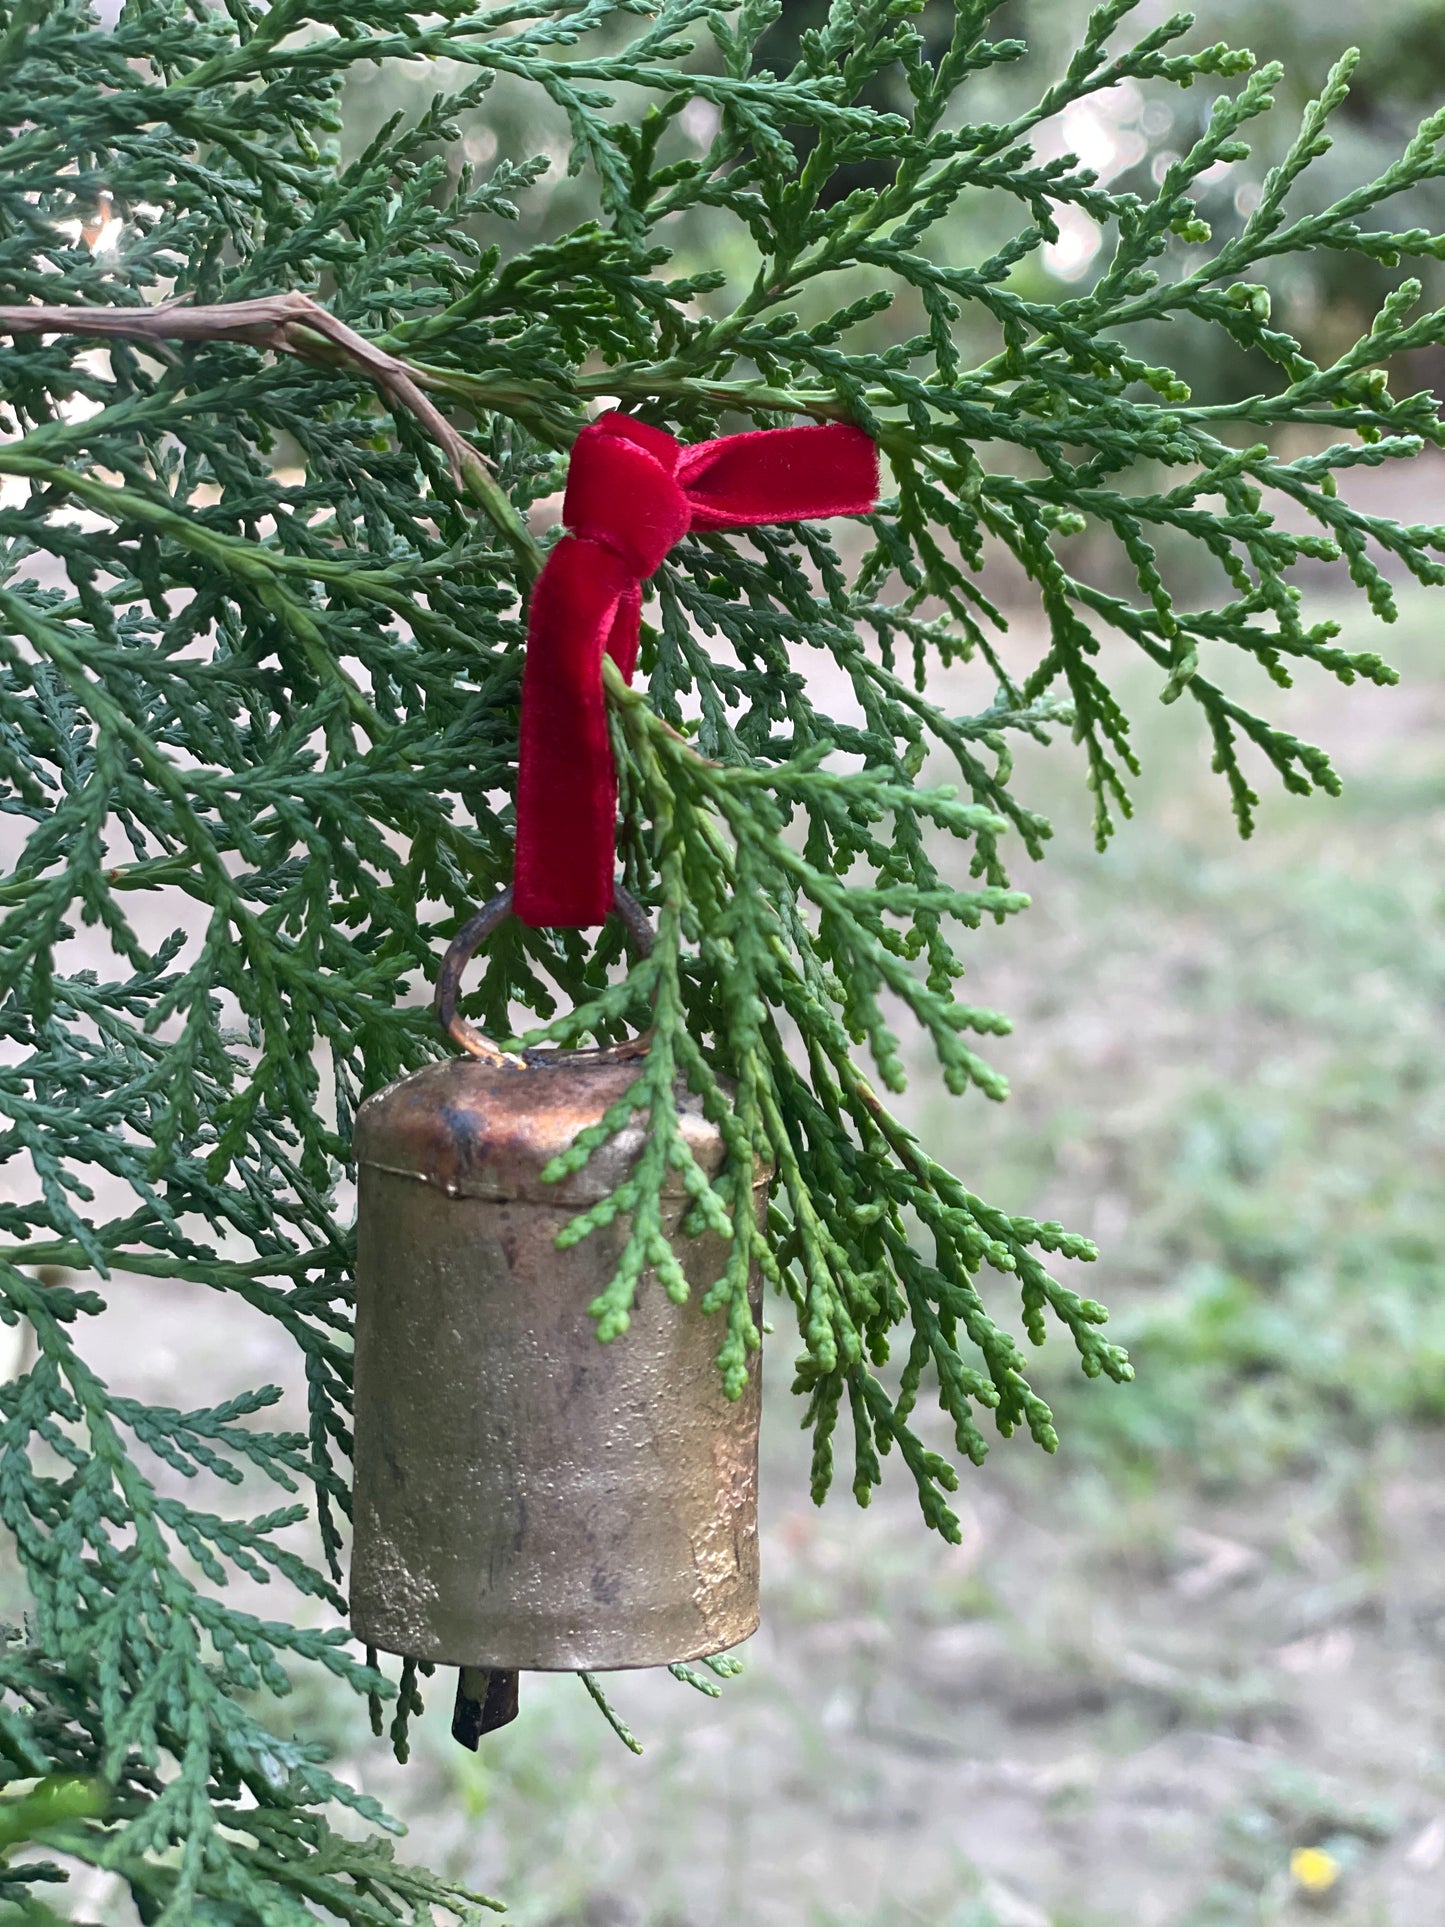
(632, 492)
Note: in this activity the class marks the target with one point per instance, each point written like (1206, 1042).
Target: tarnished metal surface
(480, 1130)
(527, 1497)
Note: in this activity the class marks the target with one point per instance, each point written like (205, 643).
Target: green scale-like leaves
(259, 672)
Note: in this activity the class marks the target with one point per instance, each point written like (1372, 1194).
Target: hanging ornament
(525, 1497)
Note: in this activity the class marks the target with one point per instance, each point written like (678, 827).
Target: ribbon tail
(623, 642)
(583, 603)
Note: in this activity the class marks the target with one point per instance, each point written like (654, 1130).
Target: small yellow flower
(1314, 1869)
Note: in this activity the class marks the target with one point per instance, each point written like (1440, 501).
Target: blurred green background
(1191, 1673)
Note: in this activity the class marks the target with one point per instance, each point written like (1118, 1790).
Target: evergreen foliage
(259, 678)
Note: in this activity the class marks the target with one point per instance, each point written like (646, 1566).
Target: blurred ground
(1210, 1636)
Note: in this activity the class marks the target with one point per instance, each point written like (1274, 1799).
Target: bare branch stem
(290, 324)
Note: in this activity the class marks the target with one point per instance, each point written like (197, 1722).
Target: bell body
(527, 1497)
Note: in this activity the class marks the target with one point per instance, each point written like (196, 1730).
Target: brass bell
(525, 1496)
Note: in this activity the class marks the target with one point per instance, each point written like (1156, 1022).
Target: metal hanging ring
(474, 933)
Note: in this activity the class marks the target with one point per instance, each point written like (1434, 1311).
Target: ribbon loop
(772, 475)
(632, 493)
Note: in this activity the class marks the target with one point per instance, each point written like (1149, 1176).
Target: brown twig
(287, 324)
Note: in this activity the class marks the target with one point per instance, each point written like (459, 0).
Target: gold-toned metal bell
(527, 1497)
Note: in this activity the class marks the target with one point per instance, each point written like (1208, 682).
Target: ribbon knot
(633, 492)
(623, 492)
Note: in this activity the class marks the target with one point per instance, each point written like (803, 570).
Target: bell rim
(709, 1649)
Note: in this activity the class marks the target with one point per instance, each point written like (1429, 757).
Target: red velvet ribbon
(632, 492)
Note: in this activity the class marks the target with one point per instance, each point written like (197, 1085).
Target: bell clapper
(485, 1701)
